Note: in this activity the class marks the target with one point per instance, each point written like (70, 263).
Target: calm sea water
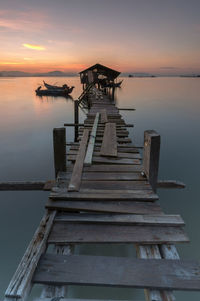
(171, 106)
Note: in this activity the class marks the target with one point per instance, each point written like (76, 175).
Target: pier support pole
(76, 120)
(113, 93)
(151, 156)
(59, 145)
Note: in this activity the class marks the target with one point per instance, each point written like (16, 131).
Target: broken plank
(20, 284)
(118, 271)
(109, 143)
(90, 149)
(106, 206)
(78, 166)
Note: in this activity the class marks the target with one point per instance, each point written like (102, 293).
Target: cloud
(35, 47)
(27, 21)
(11, 63)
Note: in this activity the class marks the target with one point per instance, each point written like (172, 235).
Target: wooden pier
(105, 192)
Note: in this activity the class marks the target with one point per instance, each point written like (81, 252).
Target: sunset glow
(132, 36)
(35, 47)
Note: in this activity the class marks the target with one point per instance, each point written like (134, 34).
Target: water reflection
(169, 105)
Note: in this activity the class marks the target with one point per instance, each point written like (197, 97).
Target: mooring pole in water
(59, 145)
(151, 156)
(113, 93)
(76, 120)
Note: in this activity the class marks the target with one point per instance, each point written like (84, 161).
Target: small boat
(51, 87)
(54, 92)
(113, 84)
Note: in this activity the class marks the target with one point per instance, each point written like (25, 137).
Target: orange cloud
(11, 63)
(35, 47)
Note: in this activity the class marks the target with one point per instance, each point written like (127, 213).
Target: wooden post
(113, 93)
(59, 145)
(151, 156)
(76, 120)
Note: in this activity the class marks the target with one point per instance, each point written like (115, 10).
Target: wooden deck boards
(117, 271)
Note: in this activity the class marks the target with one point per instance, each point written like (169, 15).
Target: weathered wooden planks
(20, 284)
(99, 194)
(108, 233)
(109, 143)
(90, 149)
(78, 166)
(109, 160)
(132, 219)
(117, 271)
(106, 206)
(114, 168)
(114, 185)
(107, 176)
(104, 117)
(119, 155)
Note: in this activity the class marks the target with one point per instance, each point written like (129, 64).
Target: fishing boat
(52, 87)
(54, 92)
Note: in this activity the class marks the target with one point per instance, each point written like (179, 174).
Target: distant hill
(26, 74)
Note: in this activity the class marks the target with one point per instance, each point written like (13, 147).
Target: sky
(154, 36)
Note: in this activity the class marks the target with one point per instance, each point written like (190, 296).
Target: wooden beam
(126, 109)
(170, 184)
(104, 117)
(151, 156)
(109, 143)
(59, 144)
(20, 284)
(73, 124)
(75, 181)
(90, 148)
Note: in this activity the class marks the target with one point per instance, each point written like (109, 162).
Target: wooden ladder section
(107, 194)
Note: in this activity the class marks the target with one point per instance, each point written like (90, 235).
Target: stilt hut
(98, 74)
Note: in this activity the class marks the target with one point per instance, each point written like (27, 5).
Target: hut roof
(103, 70)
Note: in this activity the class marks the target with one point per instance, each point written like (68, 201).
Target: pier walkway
(105, 192)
